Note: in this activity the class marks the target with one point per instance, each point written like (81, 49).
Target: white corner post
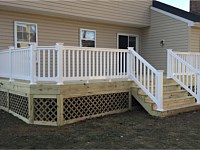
(10, 63)
(33, 49)
(129, 62)
(169, 63)
(159, 90)
(59, 48)
(198, 88)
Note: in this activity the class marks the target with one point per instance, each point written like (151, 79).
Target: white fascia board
(189, 22)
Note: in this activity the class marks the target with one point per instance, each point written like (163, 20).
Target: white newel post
(169, 65)
(33, 49)
(59, 47)
(129, 62)
(10, 63)
(198, 88)
(159, 91)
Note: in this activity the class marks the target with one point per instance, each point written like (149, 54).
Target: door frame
(126, 34)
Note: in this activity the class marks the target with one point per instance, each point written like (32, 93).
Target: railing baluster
(48, 63)
(108, 63)
(65, 61)
(93, 63)
(114, 64)
(69, 63)
(118, 61)
(97, 63)
(124, 62)
(111, 64)
(77, 65)
(44, 64)
(101, 65)
(53, 63)
(86, 63)
(73, 63)
(82, 63)
(89, 64)
(39, 63)
(104, 63)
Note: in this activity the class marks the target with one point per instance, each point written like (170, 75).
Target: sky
(182, 4)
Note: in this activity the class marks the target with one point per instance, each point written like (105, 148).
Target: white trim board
(189, 22)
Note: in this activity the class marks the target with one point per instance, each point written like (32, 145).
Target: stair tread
(176, 91)
(178, 98)
(180, 106)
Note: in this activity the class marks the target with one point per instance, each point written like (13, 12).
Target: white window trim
(88, 39)
(126, 34)
(15, 33)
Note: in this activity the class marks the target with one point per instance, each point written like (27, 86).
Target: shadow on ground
(134, 129)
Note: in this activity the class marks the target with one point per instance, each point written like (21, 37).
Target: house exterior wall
(133, 13)
(195, 39)
(54, 29)
(162, 27)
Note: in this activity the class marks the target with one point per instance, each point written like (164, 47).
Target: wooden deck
(52, 104)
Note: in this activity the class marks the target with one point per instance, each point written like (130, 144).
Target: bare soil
(130, 130)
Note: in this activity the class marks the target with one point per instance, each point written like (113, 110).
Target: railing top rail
(186, 53)
(95, 49)
(4, 51)
(46, 47)
(184, 62)
(145, 62)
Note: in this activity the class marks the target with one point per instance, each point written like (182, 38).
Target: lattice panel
(18, 104)
(45, 109)
(3, 99)
(78, 107)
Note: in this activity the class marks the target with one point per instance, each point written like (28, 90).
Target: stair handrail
(183, 73)
(147, 77)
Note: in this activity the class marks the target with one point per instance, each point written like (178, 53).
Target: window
(87, 38)
(25, 34)
(127, 40)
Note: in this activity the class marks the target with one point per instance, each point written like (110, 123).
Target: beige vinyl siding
(129, 12)
(195, 39)
(52, 30)
(172, 31)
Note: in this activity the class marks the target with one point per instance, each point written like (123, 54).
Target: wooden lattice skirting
(58, 110)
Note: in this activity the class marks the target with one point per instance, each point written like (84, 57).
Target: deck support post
(10, 63)
(198, 88)
(169, 61)
(59, 47)
(159, 90)
(32, 64)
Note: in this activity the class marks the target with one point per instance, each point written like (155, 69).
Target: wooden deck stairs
(176, 99)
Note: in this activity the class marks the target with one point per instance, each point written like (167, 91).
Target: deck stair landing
(175, 99)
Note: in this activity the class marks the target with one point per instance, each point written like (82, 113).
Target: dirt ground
(130, 130)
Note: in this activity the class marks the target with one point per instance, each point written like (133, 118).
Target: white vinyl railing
(15, 63)
(147, 77)
(193, 58)
(183, 73)
(63, 63)
(93, 63)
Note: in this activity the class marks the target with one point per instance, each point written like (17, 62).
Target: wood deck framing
(52, 104)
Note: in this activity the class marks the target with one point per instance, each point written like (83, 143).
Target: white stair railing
(193, 58)
(183, 73)
(147, 77)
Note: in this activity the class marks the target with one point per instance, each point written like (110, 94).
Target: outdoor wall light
(162, 43)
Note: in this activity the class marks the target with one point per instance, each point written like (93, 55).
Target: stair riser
(165, 89)
(176, 103)
(169, 95)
